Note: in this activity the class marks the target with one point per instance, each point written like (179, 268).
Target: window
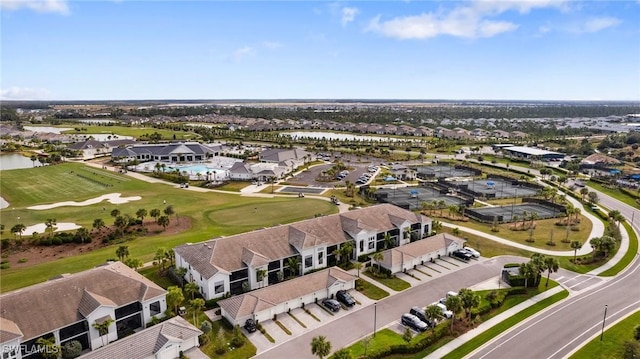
(361, 246)
(218, 287)
(128, 310)
(320, 258)
(372, 245)
(308, 261)
(154, 308)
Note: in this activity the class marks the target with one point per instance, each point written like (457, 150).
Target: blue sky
(125, 50)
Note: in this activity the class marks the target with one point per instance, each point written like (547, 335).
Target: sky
(419, 50)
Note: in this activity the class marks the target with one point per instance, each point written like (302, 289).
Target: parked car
(473, 252)
(331, 304)
(462, 255)
(449, 294)
(419, 312)
(250, 325)
(413, 322)
(345, 298)
(445, 312)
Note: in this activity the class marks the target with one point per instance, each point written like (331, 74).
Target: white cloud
(244, 52)
(468, 21)
(597, 24)
(24, 93)
(54, 6)
(348, 15)
(271, 45)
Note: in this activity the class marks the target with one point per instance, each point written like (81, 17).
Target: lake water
(335, 136)
(47, 129)
(96, 121)
(14, 161)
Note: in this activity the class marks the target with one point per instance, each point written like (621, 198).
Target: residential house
(67, 308)
(263, 257)
(164, 340)
(263, 304)
(92, 148)
(406, 257)
(279, 155)
(500, 134)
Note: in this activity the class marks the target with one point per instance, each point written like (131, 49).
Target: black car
(413, 322)
(331, 304)
(345, 298)
(250, 325)
(418, 312)
(462, 255)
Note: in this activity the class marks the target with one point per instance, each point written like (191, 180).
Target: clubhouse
(257, 259)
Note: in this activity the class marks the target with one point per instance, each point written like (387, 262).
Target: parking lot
(298, 322)
(309, 176)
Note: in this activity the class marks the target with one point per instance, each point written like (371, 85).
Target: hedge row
(426, 341)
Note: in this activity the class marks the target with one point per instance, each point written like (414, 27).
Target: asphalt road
(355, 326)
(557, 332)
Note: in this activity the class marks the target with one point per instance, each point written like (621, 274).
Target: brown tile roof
(48, 306)
(600, 158)
(8, 330)
(261, 299)
(398, 255)
(147, 343)
(229, 253)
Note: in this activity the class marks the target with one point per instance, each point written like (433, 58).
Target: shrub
(4, 266)
(71, 349)
(22, 260)
(6, 243)
(56, 241)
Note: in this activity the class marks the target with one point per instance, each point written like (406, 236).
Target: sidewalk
(452, 345)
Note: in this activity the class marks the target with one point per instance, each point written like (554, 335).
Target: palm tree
(103, 329)
(33, 158)
(196, 306)
(441, 205)
(154, 213)
(454, 304)
(163, 221)
(293, 263)
(468, 300)
(191, 289)
(160, 258)
(527, 270)
(134, 263)
(378, 257)
(320, 346)
(121, 223)
(345, 252)
(432, 312)
(18, 228)
(550, 265)
(141, 213)
(584, 192)
(122, 252)
(358, 266)
(575, 245)
(388, 241)
(83, 234)
(616, 217)
(50, 223)
(51, 349)
(98, 223)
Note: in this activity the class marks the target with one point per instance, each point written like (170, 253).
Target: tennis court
(412, 197)
(507, 213)
(444, 172)
(495, 188)
(310, 190)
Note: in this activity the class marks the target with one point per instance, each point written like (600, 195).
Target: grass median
(612, 340)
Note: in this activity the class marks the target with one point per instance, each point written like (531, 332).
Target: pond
(14, 161)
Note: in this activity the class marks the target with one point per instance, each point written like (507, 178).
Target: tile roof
(229, 253)
(48, 306)
(398, 255)
(261, 299)
(8, 330)
(147, 343)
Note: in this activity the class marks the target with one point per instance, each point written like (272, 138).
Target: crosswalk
(579, 282)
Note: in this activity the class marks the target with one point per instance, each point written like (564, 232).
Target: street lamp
(375, 312)
(603, 321)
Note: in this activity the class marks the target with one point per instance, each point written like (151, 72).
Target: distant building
(533, 153)
(168, 152)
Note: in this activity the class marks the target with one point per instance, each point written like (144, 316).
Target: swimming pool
(193, 170)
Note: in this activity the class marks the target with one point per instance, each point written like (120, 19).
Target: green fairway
(210, 214)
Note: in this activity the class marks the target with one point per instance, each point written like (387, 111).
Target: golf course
(203, 214)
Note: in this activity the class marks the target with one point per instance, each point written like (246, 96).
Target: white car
(472, 251)
(445, 312)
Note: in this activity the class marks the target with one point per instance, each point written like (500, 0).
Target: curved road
(556, 332)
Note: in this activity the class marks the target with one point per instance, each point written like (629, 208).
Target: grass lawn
(541, 234)
(384, 338)
(620, 196)
(628, 257)
(371, 290)
(394, 283)
(151, 273)
(487, 247)
(246, 351)
(207, 212)
(611, 341)
(234, 186)
(130, 131)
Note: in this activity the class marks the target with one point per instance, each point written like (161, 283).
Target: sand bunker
(41, 228)
(111, 197)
